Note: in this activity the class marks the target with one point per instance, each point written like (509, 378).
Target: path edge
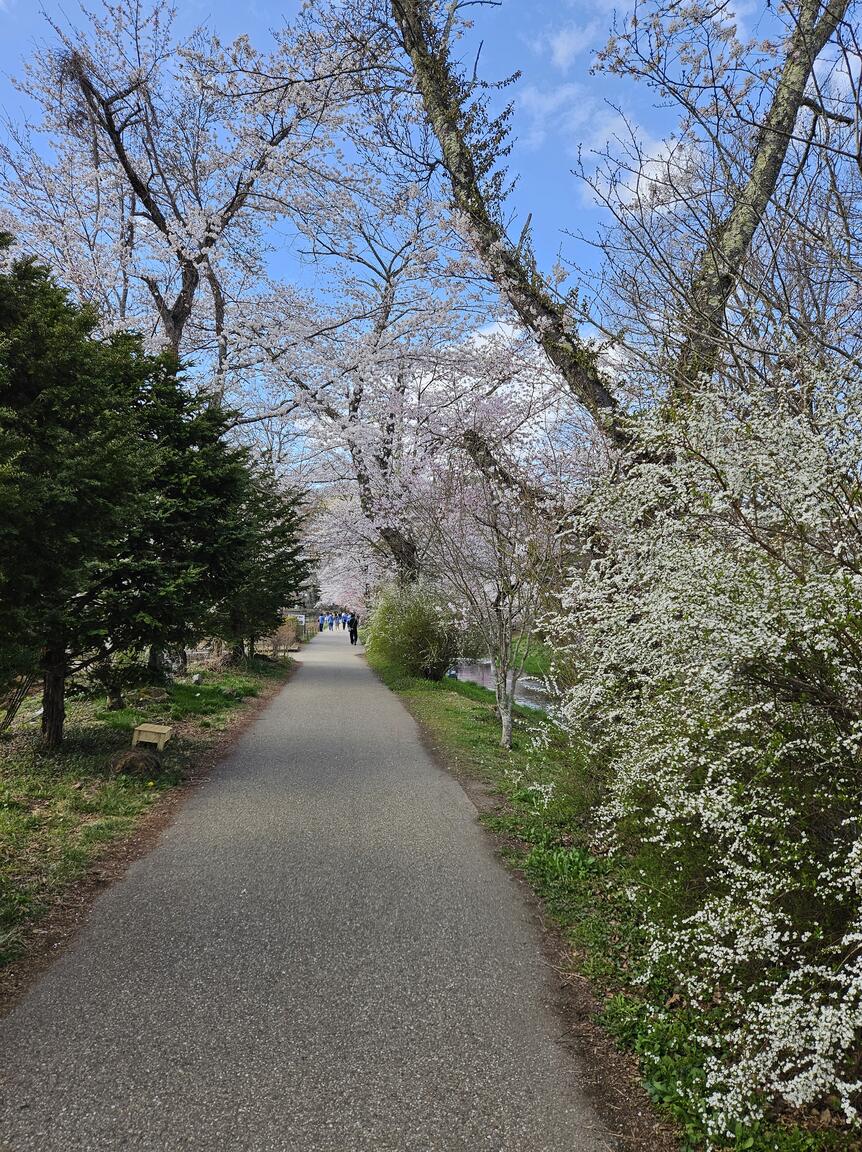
(46, 938)
(611, 1077)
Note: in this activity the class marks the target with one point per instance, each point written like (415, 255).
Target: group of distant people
(346, 621)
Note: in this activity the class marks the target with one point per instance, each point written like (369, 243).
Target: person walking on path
(353, 627)
(320, 620)
(329, 621)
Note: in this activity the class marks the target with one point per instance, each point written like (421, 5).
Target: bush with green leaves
(412, 627)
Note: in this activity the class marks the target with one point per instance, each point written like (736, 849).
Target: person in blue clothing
(320, 621)
(330, 621)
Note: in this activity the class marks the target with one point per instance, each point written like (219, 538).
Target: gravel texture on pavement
(320, 954)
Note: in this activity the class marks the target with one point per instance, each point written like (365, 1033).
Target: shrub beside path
(321, 954)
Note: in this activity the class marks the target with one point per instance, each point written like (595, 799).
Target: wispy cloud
(565, 44)
(569, 115)
(837, 76)
(653, 174)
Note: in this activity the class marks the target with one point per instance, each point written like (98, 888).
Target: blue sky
(559, 106)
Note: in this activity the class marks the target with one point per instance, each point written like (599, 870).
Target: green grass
(584, 892)
(59, 810)
(539, 657)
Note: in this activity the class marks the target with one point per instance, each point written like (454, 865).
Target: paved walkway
(321, 954)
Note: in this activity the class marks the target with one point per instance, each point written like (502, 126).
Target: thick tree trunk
(441, 93)
(237, 652)
(181, 659)
(404, 552)
(720, 267)
(728, 245)
(54, 670)
(156, 660)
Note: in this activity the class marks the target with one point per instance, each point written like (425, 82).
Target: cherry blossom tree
(164, 168)
(716, 81)
(713, 611)
(497, 552)
(379, 368)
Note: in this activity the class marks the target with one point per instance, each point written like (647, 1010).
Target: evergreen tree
(127, 518)
(182, 554)
(74, 471)
(270, 569)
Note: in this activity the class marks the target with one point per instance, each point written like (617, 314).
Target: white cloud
(655, 174)
(743, 15)
(570, 115)
(836, 76)
(504, 328)
(566, 43)
(550, 112)
(594, 8)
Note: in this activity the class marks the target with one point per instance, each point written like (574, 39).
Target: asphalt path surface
(320, 954)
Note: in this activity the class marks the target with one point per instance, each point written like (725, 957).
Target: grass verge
(60, 810)
(546, 793)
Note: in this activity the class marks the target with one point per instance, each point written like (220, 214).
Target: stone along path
(321, 954)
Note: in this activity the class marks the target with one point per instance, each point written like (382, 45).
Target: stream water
(530, 692)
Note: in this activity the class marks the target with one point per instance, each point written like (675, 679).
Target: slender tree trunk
(250, 647)
(237, 652)
(16, 699)
(54, 669)
(505, 707)
(108, 677)
(504, 704)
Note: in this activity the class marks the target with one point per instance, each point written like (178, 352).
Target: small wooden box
(158, 734)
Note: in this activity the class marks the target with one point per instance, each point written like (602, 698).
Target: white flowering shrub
(719, 633)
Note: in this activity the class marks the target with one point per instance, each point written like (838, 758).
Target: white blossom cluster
(719, 629)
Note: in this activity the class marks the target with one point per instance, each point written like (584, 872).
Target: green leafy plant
(412, 628)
